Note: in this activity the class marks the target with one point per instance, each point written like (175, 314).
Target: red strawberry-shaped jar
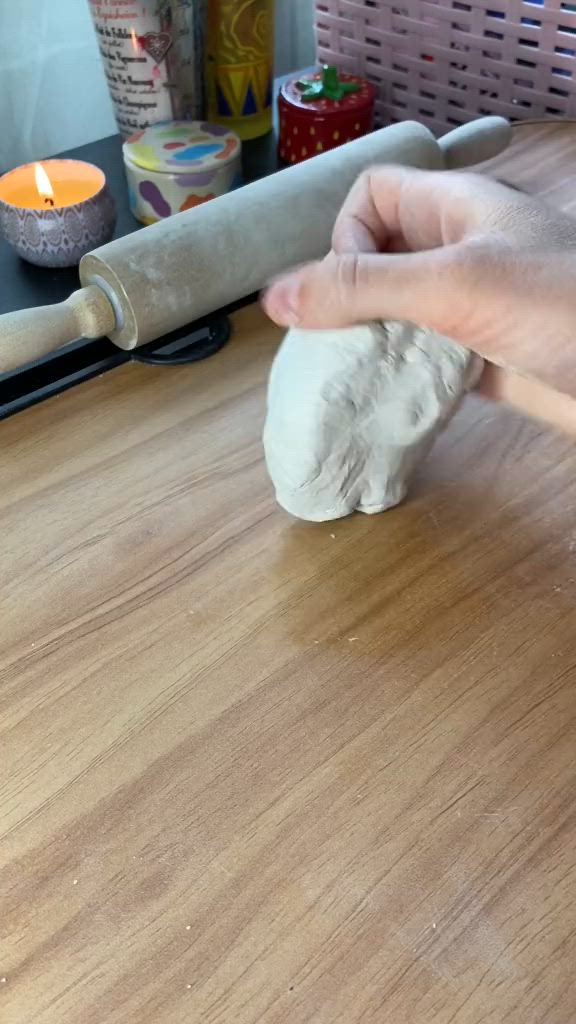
(322, 111)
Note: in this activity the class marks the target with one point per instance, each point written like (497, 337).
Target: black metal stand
(85, 359)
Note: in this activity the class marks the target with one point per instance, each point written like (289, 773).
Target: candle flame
(135, 43)
(44, 185)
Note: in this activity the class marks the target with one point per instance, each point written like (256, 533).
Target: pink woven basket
(444, 62)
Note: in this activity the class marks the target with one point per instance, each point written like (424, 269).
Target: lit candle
(44, 185)
(56, 211)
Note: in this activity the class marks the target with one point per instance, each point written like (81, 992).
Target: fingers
(394, 209)
(371, 217)
(348, 289)
(459, 254)
(360, 227)
(398, 208)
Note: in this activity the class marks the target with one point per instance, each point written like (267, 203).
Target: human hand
(465, 256)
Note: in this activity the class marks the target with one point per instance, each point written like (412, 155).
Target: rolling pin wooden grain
(148, 283)
(30, 334)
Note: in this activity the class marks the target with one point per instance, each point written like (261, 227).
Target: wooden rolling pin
(140, 287)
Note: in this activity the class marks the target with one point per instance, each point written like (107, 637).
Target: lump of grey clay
(352, 412)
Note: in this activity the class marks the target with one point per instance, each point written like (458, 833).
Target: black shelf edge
(55, 373)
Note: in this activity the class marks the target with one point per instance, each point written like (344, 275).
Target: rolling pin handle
(29, 334)
(475, 142)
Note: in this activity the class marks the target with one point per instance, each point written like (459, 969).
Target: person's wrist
(529, 396)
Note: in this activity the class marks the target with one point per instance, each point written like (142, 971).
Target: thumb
(424, 287)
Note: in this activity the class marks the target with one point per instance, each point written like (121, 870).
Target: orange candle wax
(55, 211)
(51, 183)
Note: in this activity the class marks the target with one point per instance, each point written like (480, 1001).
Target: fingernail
(282, 301)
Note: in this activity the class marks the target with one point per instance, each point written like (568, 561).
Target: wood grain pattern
(262, 771)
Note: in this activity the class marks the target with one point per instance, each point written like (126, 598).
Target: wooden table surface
(255, 770)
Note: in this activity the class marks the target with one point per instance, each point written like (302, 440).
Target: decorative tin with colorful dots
(176, 165)
(322, 111)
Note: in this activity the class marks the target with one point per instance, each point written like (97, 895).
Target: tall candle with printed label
(153, 53)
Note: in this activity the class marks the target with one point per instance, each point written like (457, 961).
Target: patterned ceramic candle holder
(54, 212)
(176, 165)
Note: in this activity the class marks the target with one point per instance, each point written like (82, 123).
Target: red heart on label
(156, 44)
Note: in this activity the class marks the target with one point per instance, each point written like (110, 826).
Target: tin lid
(298, 93)
(184, 146)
